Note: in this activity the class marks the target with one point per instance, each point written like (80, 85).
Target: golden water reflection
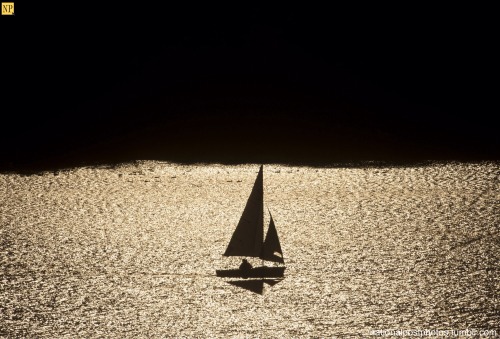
(132, 250)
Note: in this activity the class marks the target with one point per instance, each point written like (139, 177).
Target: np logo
(7, 8)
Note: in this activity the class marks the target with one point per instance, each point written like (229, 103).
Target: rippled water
(132, 250)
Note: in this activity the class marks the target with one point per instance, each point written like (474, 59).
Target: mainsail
(249, 234)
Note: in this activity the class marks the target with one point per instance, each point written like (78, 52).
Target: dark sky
(332, 83)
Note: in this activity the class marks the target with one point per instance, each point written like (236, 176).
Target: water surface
(132, 250)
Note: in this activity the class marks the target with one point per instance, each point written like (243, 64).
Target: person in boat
(245, 265)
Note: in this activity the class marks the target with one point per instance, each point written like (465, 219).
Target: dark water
(132, 251)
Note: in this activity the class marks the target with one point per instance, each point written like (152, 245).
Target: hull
(257, 272)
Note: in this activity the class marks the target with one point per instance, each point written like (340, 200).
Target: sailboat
(248, 238)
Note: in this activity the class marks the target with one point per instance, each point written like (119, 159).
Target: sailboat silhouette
(248, 238)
